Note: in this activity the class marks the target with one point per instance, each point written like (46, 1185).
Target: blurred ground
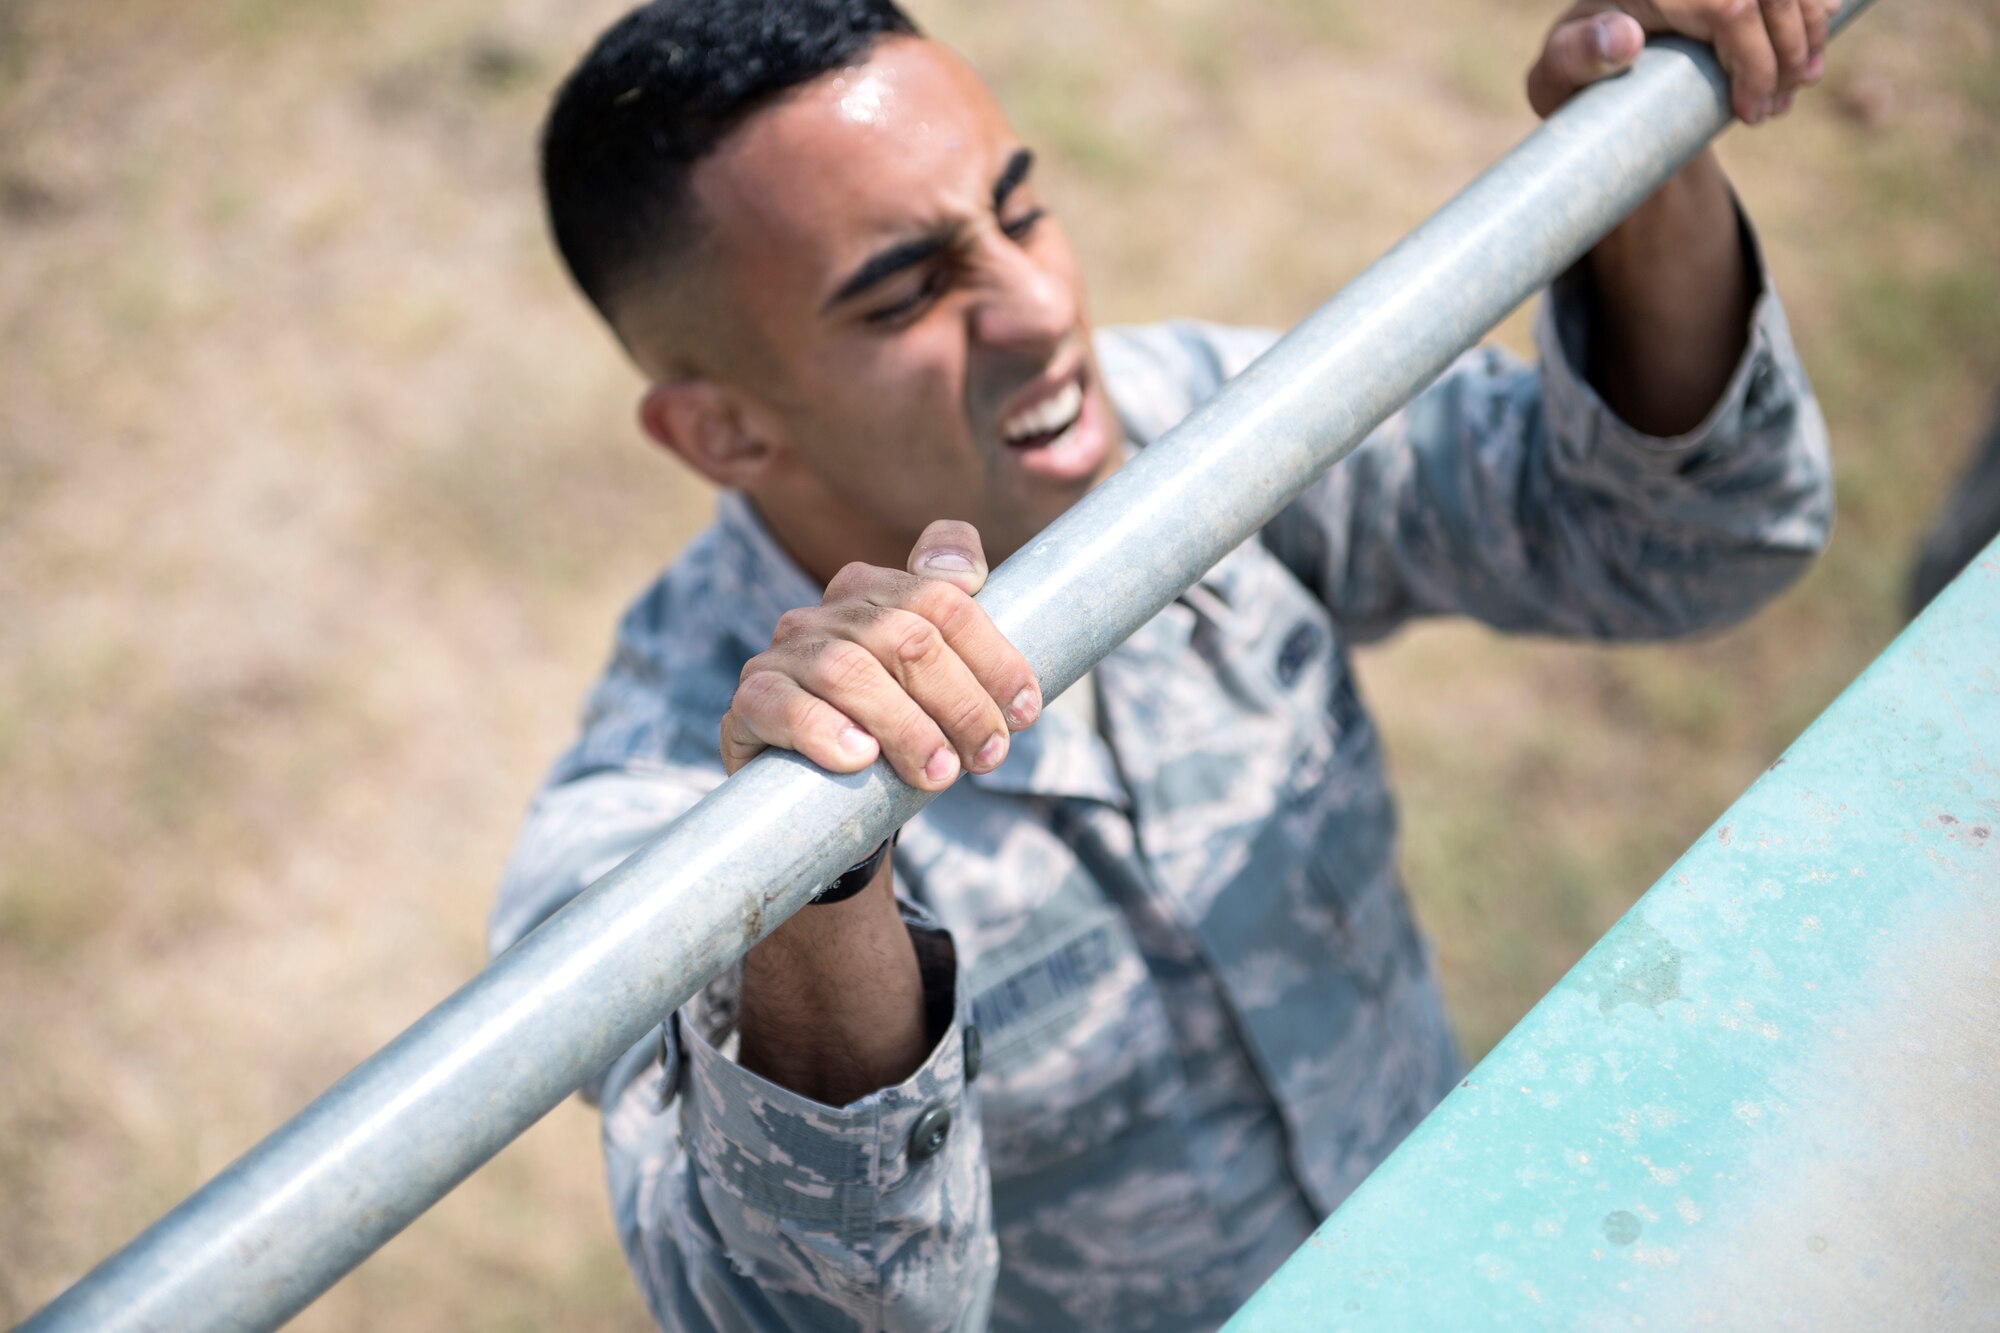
(319, 492)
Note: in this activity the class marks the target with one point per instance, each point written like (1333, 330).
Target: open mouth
(1043, 423)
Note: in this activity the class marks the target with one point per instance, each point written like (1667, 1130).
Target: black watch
(855, 878)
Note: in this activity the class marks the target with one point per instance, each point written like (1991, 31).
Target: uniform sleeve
(746, 1207)
(1515, 495)
(742, 1205)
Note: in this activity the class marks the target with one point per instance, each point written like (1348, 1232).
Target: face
(926, 349)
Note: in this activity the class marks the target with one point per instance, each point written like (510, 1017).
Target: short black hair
(656, 94)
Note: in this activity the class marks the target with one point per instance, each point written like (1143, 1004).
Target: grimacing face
(927, 351)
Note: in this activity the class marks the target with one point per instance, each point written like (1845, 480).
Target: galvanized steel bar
(319, 1195)
(1770, 1096)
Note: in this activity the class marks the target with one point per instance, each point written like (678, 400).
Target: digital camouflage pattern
(1204, 1011)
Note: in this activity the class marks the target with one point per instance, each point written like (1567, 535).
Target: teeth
(1051, 414)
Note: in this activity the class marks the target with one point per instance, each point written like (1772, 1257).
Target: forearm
(900, 666)
(1672, 295)
(833, 1001)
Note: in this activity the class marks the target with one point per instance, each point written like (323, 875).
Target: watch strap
(855, 878)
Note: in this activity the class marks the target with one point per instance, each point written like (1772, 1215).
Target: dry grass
(318, 494)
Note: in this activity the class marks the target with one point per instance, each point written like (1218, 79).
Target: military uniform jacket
(1203, 1012)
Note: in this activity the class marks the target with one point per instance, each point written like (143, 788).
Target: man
(1137, 999)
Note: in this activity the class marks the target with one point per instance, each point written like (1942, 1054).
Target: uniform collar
(770, 582)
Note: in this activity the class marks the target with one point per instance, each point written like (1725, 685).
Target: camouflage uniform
(1203, 1010)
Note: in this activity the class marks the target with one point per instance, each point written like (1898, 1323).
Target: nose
(1023, 305)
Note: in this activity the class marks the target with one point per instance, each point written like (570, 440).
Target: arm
(740, 1204)
(808, 1199)
(832, 1004)
(1671, 287)
(1514, 494)
(1666, 470)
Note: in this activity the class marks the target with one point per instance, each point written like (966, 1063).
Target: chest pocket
(1078, 1049)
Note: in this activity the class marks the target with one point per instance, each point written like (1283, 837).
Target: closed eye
(1018, 229)
(926, 292)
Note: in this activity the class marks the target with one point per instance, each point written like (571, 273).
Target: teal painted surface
(1770, 1097)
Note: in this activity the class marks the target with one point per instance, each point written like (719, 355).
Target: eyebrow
(1018, 167)
(886, 263)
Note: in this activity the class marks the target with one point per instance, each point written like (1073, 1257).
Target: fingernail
(854, 740)
(1816, 67)
(991, 753)
(1785, 103)
(942, 766)
(1601, 34)
(952, 562)
(1026, 707)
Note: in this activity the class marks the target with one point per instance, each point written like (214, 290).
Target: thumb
(1579, 52)
(950, 551)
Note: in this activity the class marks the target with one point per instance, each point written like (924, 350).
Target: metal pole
(295, 1213)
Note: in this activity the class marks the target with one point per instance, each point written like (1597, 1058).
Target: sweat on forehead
(655, 95)
(869, 150)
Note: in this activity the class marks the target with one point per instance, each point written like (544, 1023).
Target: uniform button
(973, 1050)
(933, 1128)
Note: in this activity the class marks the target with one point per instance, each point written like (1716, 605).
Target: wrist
(833, 1000)
(856, 877)
(1690, 217)
(1671, 290)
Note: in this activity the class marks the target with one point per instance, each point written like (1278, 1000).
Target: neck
(823, 532)
(824, 537)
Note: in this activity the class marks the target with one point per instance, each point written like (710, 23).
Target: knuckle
(805, 713)
(735, 738)
(1014, 672)
(915, 641)
(851, 619)
(858, 617)
(844, 668)
(917, 735)
(937, 601)
(757, 694)
(894, 587)
(802, 630)
(853, 574)
(976, 718)
(736, 729)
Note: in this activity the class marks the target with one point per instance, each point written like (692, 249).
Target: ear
(702, 423)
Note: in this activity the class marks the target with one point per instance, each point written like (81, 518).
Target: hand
(1770, 48)
(903, 664)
